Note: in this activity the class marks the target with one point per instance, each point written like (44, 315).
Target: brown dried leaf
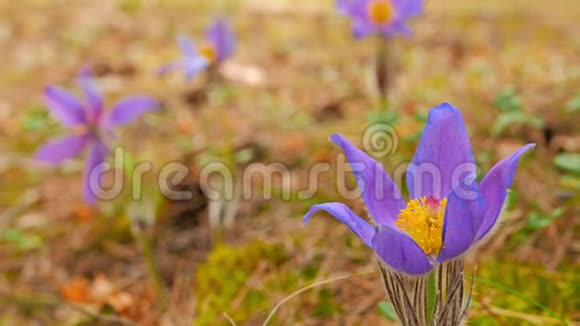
(77, 290)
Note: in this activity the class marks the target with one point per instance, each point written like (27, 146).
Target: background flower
(385, 17)
(192, 62)
(89, 126)
(218, 46)
(221, 40)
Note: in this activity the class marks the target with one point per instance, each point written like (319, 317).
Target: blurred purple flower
(221, 41)
(443, 218)
(385, 17)
(192, 62)
(89, 126)
(219, 45)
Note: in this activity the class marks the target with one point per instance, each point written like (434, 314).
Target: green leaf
(389, 117)
(535, 121)
(387, 310)
(326, 309)
(36, 119)
(508, 101)
(568, 162)
(570, 182)
(22, 240)
(557, 212)
(421, 116)
(573, 105)
(538, 221)
(244, 156)
(32, 124)
(506, 120)
(515, 118)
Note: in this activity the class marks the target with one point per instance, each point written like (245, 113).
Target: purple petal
(186, 45)
(343, 6)
(94, 98)
(356, 9)
(400, 252)
(380, 194)
(463, 216)
(94, 171)
(130, 109)
(408, 8)
(494, 188)
(57, 150)
(443, 157)
(361, 28)
(194, 66)
(221, 35)
(63, 106)
(177, 65)
(397, 28)
(190, 66)
(344, 214)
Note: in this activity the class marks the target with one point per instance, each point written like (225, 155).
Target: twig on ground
(311, 286)
(229, 319)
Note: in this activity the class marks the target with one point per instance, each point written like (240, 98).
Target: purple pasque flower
(192, 62)
(89, 126)
(385, 17)
(219, 45)
(221, 41)
(448, 211)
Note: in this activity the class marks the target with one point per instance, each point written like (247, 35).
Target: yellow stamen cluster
(208, 51)
(381, 12)
(422, 220)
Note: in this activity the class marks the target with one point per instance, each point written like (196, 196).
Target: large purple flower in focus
(385, 17)
(448, 211)
(219, 45)
(89, 126)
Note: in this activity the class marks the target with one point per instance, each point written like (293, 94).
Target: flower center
(381, 12)
(422, 219)
(89, 129)
(208, 51)
(79, 130)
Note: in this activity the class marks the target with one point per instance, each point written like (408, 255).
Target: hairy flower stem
(383, 73)
(451, 302)
(408, 294)
(222, 211)
(141, 215)
(156, 280)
